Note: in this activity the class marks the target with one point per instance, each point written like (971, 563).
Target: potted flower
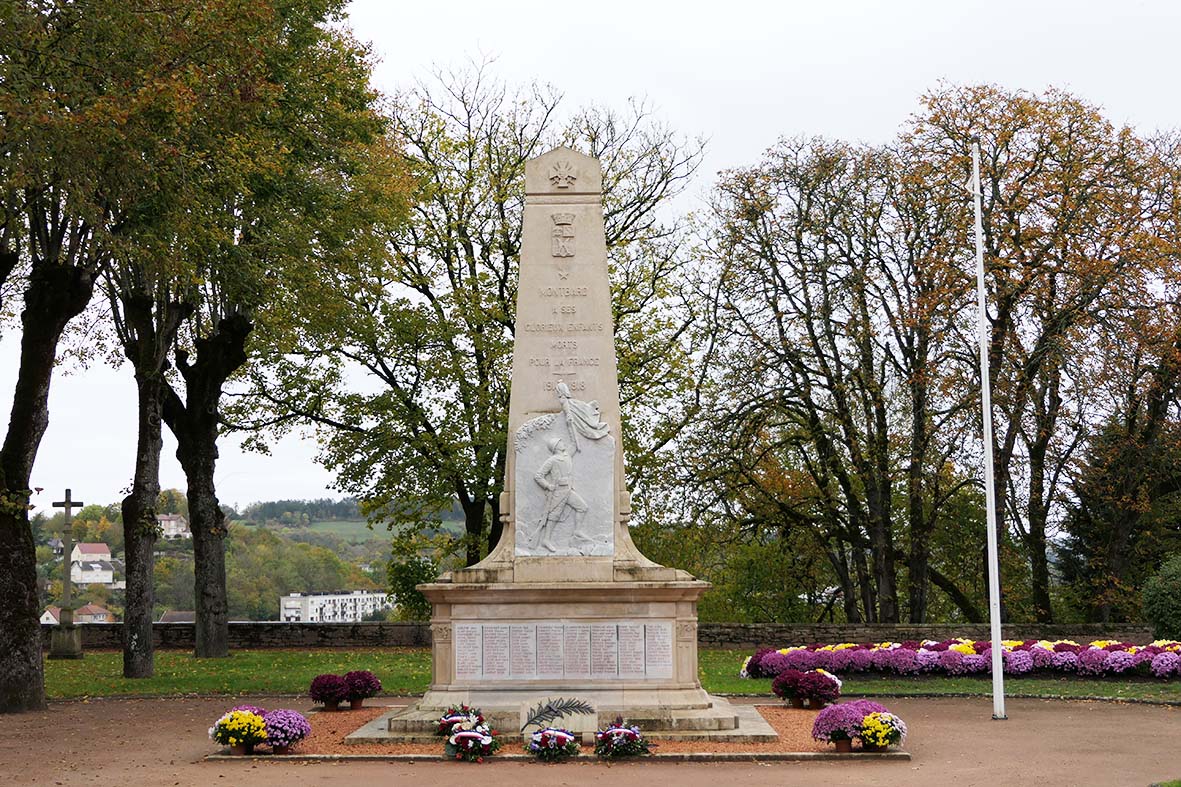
(552, 744)
(285, 728)
(818, 688)
(329, 691)
(620, 740)
(840, 724)
(362, 685)
(241, 730)
(785, 685)
(880, 730)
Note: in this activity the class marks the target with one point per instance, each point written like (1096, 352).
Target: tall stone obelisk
(565, 605)
(565, 505)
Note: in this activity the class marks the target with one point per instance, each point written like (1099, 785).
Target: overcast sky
(741, 74)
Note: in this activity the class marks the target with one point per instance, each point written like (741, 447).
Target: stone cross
(67, 613)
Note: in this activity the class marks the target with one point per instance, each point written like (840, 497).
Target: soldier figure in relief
(555, 477)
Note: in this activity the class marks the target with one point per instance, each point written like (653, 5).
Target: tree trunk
(848, 589)
(473, 523)
(139, 528)
(195, 423)
(54, 295)
(868, 601)
(208, 524)
(920, 525)
(146, 341)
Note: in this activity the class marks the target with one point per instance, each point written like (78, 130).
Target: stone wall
(256, 635)
(251, 635)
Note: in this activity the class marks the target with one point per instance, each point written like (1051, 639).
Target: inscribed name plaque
(576, 642)
(604, 650)
(551, 658)
(541, 650)
(523, 643)
(658, 650)
(496, 651)
(632, 663)
(469, 650)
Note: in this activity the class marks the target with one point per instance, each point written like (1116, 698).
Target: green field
(408, 671)
(354, 531)
(350, 529)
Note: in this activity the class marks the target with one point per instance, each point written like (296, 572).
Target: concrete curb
(801, 756)
(1008, 695)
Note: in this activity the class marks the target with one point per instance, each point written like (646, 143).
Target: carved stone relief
(562, 175)
(563, 235)
(564, 482)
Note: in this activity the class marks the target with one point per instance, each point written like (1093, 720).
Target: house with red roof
(87, 613)
(90, 551)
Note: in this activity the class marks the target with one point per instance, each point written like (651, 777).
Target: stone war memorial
(565, 606)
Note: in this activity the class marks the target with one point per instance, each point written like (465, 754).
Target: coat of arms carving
(563, 235)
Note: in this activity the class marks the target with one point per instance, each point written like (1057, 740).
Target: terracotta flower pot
(845, 745)
(867, 747)
(357, 704)
(797, 702)
(332, 705)
(240, 749)
(280, 750)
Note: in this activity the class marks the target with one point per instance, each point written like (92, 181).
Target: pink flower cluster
(1161, 659)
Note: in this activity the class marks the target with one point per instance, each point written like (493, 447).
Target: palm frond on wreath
(555, 709)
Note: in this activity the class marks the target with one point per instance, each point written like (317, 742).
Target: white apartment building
(333, 607)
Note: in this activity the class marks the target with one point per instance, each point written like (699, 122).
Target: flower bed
(1161, 659)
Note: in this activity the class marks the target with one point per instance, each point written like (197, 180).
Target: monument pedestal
(65, 639)
(628, 648)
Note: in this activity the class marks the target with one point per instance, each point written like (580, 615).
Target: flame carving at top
(561, 175)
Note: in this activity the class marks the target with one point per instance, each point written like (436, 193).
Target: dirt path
(952, 741)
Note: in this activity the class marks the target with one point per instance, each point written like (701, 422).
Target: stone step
(725, 722)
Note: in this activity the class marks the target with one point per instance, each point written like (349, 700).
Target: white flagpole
(994, 579)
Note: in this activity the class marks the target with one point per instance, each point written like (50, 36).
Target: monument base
(65, 642)
(626, 648)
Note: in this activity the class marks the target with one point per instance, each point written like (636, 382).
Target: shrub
(785, 684)
(1162, 600)
(843, 720)
(1165, 664)
(1017, 662)
(327, 689)
(818, 688)
(754, 667)
(882, 729)
(239, 728)
(772, 664)
(362, 684)
(285, 727)
(1092, 661)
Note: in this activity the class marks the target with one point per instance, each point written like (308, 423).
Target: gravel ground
(952, 741)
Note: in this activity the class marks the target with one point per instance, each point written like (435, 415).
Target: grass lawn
(408, 671)
(100, 674)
